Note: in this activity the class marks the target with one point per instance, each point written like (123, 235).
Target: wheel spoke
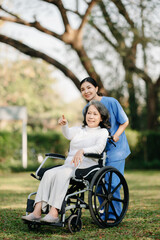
(102, 204)
(106, 211)
(116, 188)
(100, 195)
(113, 208)
(104, 188)
(117, 200)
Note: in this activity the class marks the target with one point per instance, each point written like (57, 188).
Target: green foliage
(145, 150)
(38, 143)
(8, 146)
(30, 83)
(47, 142)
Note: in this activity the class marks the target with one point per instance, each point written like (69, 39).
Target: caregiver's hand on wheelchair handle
(62, 121)
(115, 138)
(78, 157)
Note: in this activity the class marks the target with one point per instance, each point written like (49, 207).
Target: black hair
(90, 80)
(105, 123)
(93, 82)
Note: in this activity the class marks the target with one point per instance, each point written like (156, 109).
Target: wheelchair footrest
(59, 224)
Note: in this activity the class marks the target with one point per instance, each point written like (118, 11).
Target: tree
(29, 83)
(121, 25)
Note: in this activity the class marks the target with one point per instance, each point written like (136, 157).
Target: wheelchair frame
(94, 182)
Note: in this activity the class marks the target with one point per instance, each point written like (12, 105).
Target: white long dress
(54, 184)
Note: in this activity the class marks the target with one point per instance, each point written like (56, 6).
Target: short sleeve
(118, 111)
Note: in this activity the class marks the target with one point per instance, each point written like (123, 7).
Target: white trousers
(54, 185)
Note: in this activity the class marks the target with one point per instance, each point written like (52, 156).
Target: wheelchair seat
(86, 173)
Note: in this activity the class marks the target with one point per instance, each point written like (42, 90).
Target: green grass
(141, 222)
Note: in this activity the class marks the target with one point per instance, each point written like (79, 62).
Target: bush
(145, 150)
(53, 142)
(10, 144)
(38, 143)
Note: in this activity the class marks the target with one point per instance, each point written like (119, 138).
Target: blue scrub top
(117, 117)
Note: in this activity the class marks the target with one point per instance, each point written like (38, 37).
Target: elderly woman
(89, 138)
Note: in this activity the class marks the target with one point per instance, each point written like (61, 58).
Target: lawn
(141, 222)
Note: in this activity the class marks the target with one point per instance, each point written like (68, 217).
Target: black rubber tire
(34, 226)
(99, 181)
(74, 224)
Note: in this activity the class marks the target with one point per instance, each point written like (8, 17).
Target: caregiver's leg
(119, 165)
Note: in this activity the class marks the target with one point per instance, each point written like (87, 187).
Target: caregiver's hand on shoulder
(78, 157)
(62, 121)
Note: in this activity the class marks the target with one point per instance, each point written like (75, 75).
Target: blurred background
(47, 47)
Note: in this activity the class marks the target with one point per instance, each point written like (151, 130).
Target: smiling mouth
(88, 95)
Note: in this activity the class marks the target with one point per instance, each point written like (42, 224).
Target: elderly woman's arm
(68, 133)
(78, 157)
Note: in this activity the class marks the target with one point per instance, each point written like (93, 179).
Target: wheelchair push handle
(110, 140)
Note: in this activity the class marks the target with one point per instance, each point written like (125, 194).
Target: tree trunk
(152, 106)
(133, 106)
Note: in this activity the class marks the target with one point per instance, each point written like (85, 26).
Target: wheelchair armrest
(49, 155)
(93, 155)
(55, 155)
(101, 157)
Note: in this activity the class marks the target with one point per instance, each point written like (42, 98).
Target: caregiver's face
(89, 92)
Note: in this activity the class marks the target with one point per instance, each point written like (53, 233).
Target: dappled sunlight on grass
(14, 190)
(14, 206)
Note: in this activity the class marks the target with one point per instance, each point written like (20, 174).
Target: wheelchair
(98, 182)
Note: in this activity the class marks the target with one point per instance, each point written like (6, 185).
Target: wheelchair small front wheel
(33, 226)
(74, 224)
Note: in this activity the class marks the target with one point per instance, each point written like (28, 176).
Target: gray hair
(105, 123)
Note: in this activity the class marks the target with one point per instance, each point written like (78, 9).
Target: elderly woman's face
(88, 91)
(93, 117)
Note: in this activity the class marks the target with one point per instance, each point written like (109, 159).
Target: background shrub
(145, 150)
(38, 143)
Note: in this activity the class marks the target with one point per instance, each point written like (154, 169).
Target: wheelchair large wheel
(108, 197)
